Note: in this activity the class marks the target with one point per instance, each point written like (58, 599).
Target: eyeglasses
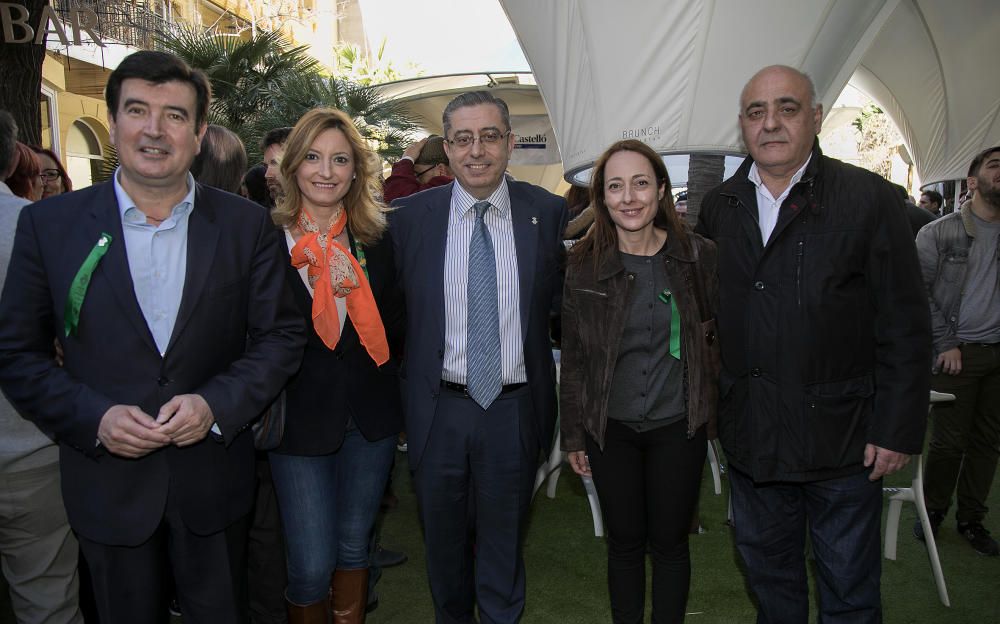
(420, 173)
(50, 174)
(489, 137)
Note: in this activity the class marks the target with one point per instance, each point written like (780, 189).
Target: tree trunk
(705, 172)
(21, 77)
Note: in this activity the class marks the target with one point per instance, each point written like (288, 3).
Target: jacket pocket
(590, 293)
(953, 266)
(835, 425)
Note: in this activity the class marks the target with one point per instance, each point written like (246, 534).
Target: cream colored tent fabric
(670, 73)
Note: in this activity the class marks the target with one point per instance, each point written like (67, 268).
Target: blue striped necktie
(482, 350)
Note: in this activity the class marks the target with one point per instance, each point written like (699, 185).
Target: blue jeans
(844, 518)
(328, 505)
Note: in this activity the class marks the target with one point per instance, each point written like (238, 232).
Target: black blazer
(332, 386)
(234, 288)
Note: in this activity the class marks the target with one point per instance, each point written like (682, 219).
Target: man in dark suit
(168, 300)
(479, 261)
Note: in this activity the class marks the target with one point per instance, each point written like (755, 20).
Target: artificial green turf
(566, 566)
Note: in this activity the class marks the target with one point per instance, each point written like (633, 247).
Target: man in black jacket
(825, 336)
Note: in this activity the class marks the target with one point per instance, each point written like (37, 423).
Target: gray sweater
(22, 445)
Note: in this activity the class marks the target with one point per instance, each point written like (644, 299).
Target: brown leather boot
(315, 613)
(350, 592)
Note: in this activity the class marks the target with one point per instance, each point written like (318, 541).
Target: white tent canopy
(670, 73)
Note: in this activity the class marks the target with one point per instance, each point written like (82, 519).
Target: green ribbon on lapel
(78, 289)
(362, 260)
(675, 322)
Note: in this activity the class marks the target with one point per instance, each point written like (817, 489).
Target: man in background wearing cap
(424, 165)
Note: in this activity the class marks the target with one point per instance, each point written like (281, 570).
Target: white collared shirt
(768, 206)
(461, 222)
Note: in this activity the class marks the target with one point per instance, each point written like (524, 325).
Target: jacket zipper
(800, 252)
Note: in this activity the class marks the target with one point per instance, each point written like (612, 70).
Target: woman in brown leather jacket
(639, 371)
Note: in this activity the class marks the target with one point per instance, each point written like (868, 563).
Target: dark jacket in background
(825, 332)
(917, 216)
(594, 317)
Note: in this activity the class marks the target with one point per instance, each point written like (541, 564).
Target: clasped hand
(128, 431)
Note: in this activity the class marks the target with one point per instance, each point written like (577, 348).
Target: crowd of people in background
(209, 365)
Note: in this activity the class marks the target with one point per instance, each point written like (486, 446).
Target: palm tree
(262, 83)
(705, 172)
(385, 124)
(243, 72)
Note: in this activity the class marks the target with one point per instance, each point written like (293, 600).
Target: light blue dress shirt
(157, 260)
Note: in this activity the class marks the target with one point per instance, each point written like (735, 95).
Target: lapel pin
(534, 220)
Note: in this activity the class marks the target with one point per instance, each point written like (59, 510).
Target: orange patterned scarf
(335, 272)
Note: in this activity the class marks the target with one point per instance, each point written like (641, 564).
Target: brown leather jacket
(593, 317)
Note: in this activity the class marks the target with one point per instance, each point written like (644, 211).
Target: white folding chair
(713, 463)
(915, 494)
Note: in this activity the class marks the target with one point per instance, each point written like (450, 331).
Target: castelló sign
(14, 26)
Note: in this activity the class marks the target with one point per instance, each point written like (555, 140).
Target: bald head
(783, 71)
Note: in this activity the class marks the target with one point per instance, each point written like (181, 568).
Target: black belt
(464, 389)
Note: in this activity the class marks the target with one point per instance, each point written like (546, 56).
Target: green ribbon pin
(675, 322)
(78, 289)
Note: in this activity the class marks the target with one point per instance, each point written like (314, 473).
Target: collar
(610, 262)
(126, 204)
(754, 176)
(5, 190)
(462, 201)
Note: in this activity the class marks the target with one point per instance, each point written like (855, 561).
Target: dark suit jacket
(234, 289)
(419, 229)
(345, 382)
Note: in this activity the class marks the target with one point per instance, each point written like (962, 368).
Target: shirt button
(755, 372)
(758, 285)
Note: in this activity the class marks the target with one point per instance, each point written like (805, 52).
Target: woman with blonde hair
(343, 406)
(640, 366)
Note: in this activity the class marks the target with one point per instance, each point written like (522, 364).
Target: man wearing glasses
(424, 165)
(479, 260)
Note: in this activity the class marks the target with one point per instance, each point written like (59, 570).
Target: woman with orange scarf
(343, 406)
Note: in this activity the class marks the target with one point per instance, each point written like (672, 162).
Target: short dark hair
(934, 197)
(8, 137)
(277, 136)
(474, 98)
(257, 187)
(158, 68)
(977, 162)
(221, 161)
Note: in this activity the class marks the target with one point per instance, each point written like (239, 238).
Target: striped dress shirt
(461, 221)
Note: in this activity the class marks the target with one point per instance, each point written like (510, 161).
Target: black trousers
(648, 484)
(266, 553)
(130, 582)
